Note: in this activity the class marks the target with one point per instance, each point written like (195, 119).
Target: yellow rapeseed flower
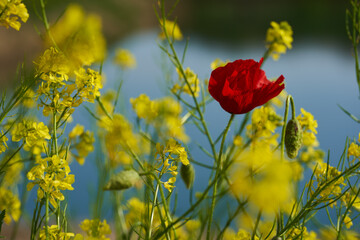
(144, 107)
(11, 11)
(193, 81)
(307, 121)
(264, 122)
(261, 177)
(95, 229)
(88, 83)
(172, 30)
(119, 138)
(124, 58)
(79, 36)
(11, 203)
(53, 67)
(167, 156)
(55, 233)
(278, 38)
(323, 174)
(33, 134)
(354, 150)
(348, 222)
(138, 211)
(13, 170)
(84, 143)
(163, 114)
(51, 174)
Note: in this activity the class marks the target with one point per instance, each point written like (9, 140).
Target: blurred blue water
(319, 75)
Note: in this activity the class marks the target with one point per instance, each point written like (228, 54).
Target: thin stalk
(46, 23)
(153, 210)
(218, 168)
(56, 151)
(256, 225)
(47, 216)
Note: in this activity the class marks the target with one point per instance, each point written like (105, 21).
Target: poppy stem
(282, 144)
(218, 169)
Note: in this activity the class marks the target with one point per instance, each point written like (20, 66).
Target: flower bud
(123, 180)
(293, 138)
(187, 173)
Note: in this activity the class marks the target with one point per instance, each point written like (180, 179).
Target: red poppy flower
(240, 86)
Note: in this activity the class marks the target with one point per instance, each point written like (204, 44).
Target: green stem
(46, 23)
(355, 41)
(56, 151)
(256, 225)
(153, 210)
(282, 149)
(218, 168)
(47, 215)
(103, 107)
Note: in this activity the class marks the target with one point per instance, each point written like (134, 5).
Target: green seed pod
(293, 138)
(123, 180)
(187, 173)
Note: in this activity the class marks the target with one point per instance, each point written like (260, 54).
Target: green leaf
(123, 180)
(349, 114)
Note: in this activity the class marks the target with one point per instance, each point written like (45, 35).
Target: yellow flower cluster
(55, 233)
(137, 211)
(10, 202)
(52, 175)
(331, 233)
(172, 30)
(124, 58)
(163, 114)
(84, 144)
(323, 174)
(350, 198)
(33, 134)
(264, 121)
(119, 139)
(95, 229)
(301, 233)
(243, 235)
(193, 81)
(310, 142)
(354, 149)
(278, 38)
(88, 83)
(263, 179)
(168, 156)
(55, 91)
(11, 11)
(13, 170)
(53, 67)
(79, 36)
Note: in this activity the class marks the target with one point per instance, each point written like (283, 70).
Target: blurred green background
(233, 21)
